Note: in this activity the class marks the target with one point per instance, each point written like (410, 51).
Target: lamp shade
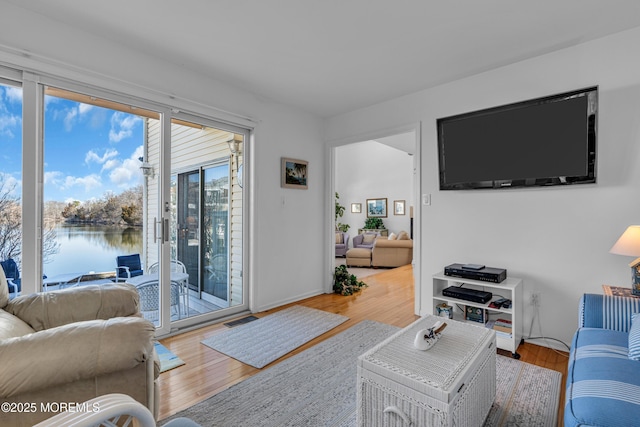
(628, 243)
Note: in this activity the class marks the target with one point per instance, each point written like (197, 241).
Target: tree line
(111, 209)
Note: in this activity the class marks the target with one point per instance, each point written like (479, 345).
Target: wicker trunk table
(451, 384)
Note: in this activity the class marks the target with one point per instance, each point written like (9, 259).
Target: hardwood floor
(389, 298)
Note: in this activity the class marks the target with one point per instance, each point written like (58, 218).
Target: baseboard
(288, 301)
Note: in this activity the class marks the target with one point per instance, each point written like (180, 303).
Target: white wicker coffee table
(451, 384)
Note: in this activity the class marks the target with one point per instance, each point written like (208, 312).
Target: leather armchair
(73, 345)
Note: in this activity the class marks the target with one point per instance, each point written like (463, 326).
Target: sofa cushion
(369, 238)
(603, 384)
(634, 338)
(403, 235)
(392, 236)
(12, 326)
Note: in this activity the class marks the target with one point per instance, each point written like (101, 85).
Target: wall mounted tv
(539, 142)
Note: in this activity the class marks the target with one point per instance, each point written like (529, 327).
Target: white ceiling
(332, 56)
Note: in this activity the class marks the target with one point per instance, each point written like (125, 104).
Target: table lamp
(629, 244)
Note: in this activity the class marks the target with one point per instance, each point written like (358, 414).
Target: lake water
(85, 248)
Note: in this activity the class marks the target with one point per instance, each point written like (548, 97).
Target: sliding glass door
(202, 232)
(215, 233)
(112, 176)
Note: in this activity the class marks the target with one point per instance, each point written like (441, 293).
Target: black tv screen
(539, 142)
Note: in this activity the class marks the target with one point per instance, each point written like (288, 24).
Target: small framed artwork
(356, 207)
(398, 207)
(377, 208)
(293, 173)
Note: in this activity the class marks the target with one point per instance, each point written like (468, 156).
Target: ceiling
(328, 57)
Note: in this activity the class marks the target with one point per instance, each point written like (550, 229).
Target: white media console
(510, 288)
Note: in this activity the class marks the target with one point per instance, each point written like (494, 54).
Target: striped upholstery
(607, 311)
(603, 384)
(634, 338)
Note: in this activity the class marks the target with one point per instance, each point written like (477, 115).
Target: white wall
(287, 240)
(370, 170)
(556, 239)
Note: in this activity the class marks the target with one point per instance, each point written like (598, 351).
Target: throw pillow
(392, 236)
(403, 235)
(368, 238)
(339, 239)
(634, 337)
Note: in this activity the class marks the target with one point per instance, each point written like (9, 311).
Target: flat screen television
(539, 142)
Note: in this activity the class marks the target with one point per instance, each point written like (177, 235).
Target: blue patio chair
(128, 266)
(12, 273)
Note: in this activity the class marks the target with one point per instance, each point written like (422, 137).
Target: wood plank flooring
(389, 298)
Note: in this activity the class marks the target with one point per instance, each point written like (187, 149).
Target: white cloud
(89, 182)
(13, 94)
(84, 108)
(53, 177)
(128, 172)
(9, 122)
(92, 156)
(65, 182)
(70, 119)
(110, 164)
(122, 126)
(12, 183)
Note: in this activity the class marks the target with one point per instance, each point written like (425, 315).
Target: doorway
(362, 169)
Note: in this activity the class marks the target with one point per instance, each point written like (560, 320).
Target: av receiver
(485, 274)
(467, 294)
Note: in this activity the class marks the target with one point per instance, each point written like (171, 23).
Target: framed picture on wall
(293, 173)
(398, 207)
(356, 207)
(377, 208)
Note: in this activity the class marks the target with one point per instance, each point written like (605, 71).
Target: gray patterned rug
(318, 388)
(262, 341)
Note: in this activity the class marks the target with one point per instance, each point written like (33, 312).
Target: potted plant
(339, 213)
(345, 283)
(373, 223)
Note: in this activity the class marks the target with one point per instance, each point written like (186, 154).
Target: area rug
(526, 395)
(318, 388)
(262, 341)
(168, 360)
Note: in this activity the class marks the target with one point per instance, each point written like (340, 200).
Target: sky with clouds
(88, 152)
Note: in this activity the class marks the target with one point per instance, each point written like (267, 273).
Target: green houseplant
(339, 212)
(373, 223)
(345, 283)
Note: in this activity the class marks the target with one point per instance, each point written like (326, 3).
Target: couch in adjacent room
(392, 251)
(603, 378)
(73, 345)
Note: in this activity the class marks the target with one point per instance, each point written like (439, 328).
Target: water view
(85, 248)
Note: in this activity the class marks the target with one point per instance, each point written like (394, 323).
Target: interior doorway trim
(330, 153)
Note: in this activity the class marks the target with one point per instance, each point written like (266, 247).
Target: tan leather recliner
(61, 348)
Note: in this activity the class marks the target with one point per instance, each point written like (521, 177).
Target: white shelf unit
(510, 288)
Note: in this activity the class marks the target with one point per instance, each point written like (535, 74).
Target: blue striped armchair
(603, 382)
